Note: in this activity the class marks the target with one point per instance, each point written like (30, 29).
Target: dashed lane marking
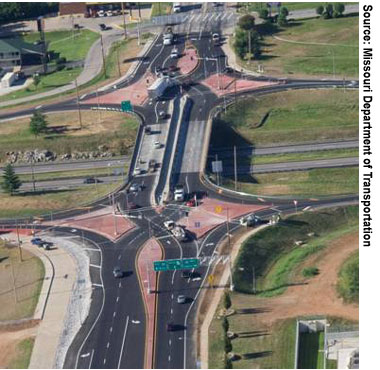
(96, 266)
(99, 285)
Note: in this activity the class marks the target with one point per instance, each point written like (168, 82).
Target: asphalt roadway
(113, 335)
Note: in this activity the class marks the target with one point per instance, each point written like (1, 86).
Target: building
(16, 52)
(87, 9)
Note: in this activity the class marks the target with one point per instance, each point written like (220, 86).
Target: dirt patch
(11, 337)
(317, 297)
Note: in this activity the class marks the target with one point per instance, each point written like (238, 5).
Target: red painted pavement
(212, 213)
(188, 61)
(136, 93)
(151, 251)
(227, 84)
(100, 222)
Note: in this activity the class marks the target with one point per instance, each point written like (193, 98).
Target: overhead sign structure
(177, 264)
(126, 106)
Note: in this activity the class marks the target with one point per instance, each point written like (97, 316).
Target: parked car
(102, 26)
(162, 114)
(109, 13)
(101, 13)
(90, 180)
(147, 130)
(151, 165)
(190, 203)
(137, 171)
(157, 145)
(117, 273)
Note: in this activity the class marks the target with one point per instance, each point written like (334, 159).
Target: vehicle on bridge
(179, 193)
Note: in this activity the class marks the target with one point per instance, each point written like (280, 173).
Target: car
(215, 37)
(151, 165)
(228, 70)
(162, 114)
(117, 273)
(102, 26)
(37, 241)
(134, 188)
(109, 13)
(181, 299)
(172, 68)
(157, 145)
(177, 8)
(147, 130)
(169, 225)
(186, 274)
(137, 171)
(158, 71)
(190, 203)
(101, 13)
(90, 180)
(170, 326)
(174, 53)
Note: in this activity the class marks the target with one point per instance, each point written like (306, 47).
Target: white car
(137, 171)
(109, 13)
(157, 145)
(215, 36)
(101, 13)
(174, 54)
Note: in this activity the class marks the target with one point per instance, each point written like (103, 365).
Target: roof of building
(10, 45)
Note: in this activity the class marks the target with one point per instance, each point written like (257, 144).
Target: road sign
(126, 106)
(217, 166)
(218, 209)
(177, 264)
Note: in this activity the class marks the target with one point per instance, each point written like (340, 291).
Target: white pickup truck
(178, 231)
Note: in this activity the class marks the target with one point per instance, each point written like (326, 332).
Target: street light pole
(78, 104)
(124, 24)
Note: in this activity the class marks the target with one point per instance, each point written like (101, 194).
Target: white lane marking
(114, 314)
(117, 299)
(164, 236)
(171, 311)
(120, 284)
(306, 208)
(96, 266)
(85, 355)
(38, 107)
(224, 16)
(168, 241)
(99, 285)
(104, 361)
(209, 244)
(261, 199)
(108, 345)
(83, 96)
(111, 328)
(172, 296)
(170, 342)
(122, 346)
(169, 358)
(230, 16)
(119, 257)
(135, 321)
(92, 356)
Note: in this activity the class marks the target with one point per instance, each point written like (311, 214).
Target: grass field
(161, 9)
(23, 354)
(40, 203)
(289, 117)
(310, 355)
(275, 255)
(64, 135)
(312, 183)
(348, 283)
(295, 51)
(61, 42)
(28, 276)
(259, 348)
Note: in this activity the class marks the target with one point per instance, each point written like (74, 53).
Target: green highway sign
(126, 106)
(178, 264)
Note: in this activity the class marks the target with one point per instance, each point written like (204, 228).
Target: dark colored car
(147, 130)
(37, 241)
(170, 326)
(102, 27)
(90, 180)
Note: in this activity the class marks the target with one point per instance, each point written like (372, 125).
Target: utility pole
(253, 280)
(100, 113)
(231, 280)
(235, 167)
(78, 104)
(19, 242)
(33, 179)
(138, 4)
(104, 60)
(118, 61)
(124, 23)
(114, 213)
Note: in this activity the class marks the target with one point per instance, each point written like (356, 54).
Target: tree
(225, 324)
(282, 20)
(227, 344)
(227, 300)
(38, 123)
(339, 8)
(284, 11)
(319, 10)
(122, 148)
(328, 11)
(247, 23)
(240, 43)
(263, 14)
(11, 181)
(227, 362)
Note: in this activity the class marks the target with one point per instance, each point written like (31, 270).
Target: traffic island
(189, 61)
(148, 278)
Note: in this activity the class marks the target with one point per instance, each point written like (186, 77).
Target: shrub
(310, 271)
